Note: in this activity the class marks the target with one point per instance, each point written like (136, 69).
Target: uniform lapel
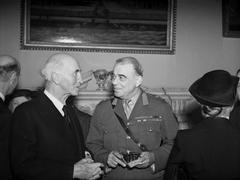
(118, 108)
(139, 107)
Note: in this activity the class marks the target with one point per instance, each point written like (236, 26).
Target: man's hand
(146, 159)
(87, 169)
(115, 158)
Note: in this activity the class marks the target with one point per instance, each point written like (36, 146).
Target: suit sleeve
(175, 161)
(168, 134)
(5, 120)
(95, 139)
(84, 120)
(26, 161)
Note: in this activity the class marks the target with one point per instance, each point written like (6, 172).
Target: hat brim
(213, 102)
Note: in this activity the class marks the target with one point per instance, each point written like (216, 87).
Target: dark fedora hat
(216, 89)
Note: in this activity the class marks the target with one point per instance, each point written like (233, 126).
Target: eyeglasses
(9, 68)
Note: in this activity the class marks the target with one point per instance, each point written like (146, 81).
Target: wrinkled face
(15, 102)
(71, 78)
(125, 81)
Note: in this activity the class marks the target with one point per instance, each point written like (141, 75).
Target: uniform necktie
(127, 107)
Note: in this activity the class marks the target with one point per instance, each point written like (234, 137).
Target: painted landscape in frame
(131, 26)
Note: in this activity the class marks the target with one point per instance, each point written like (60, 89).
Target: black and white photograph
(120, 90)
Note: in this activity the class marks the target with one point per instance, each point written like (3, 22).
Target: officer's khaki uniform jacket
(151, 121)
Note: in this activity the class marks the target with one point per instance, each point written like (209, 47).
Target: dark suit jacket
(235, 115)
(211, 150)
(84, 120)
(44, 144)
(5, 119)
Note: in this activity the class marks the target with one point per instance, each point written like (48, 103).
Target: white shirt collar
(2, 96)
(55, 101)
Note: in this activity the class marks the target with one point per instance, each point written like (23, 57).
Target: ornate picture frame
(231, 18)
(115, 26)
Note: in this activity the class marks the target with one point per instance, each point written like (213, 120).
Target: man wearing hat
(211, 149)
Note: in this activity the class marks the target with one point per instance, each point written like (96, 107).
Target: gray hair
(53, 64)
(131, 60)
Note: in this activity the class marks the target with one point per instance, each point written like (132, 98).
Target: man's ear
(139, 81)
(56, 77)
(13, 77)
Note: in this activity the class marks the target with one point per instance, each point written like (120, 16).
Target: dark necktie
(73, 123)
(66, 114)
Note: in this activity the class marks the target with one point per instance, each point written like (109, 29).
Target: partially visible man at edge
(235, 114)
(209, 150)
(149, 118)
(47, 138)
(9, 75)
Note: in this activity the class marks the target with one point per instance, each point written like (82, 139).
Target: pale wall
(200, 47)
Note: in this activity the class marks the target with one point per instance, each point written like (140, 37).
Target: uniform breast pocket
(110, 138)
(151, 132)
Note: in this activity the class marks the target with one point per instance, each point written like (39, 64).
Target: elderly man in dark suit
(47, 138)
(9, 74)
(132, 134)
(211, 149)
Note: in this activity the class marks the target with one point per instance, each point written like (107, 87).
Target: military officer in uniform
(133, 133)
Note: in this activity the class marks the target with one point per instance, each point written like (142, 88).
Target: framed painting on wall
(146, 26)
(231, 18)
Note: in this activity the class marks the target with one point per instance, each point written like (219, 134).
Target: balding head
(133, 61)
(6, 59)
